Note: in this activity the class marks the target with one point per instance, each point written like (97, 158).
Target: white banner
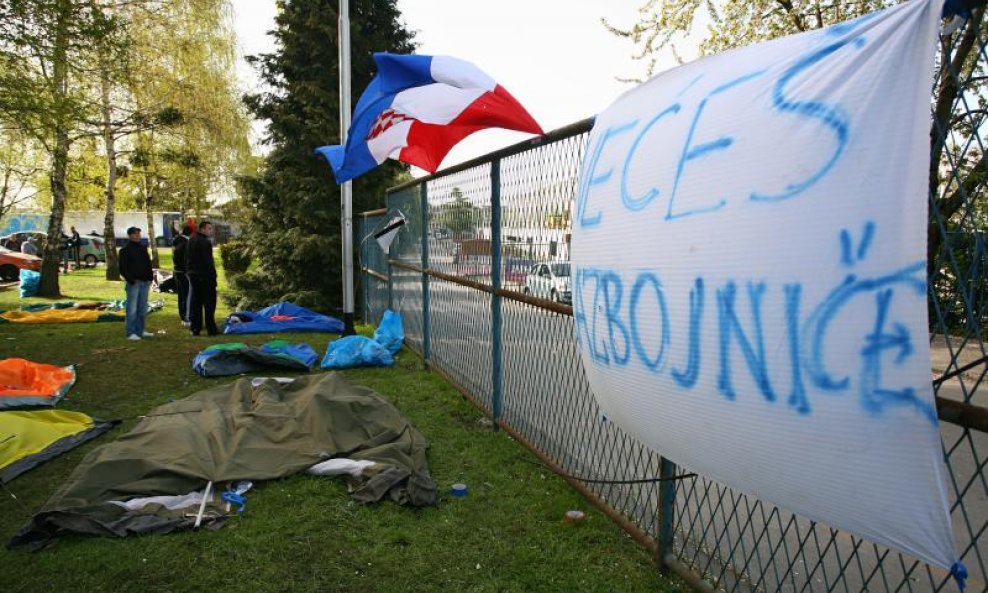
(750, 277)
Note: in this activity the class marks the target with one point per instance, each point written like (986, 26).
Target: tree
(170, 101)
(459, 215)
(295, 229)
(19, 168)
(44, 46)
(958, 168)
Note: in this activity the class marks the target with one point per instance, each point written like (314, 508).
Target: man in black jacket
(179, 245)
(135, 267)
(201, 272)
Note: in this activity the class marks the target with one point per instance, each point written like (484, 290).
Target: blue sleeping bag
(220, 360)
(281, 317)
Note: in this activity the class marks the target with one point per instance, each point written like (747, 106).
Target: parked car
(90, 247)
(12, 262)
(516, 270)
(91, 250)
(550, 281)
(13, 240)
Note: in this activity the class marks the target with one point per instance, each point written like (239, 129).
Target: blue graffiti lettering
(797, 399)
(632, 203)
(611, 284)
(741, 331)
(815, 328)
(592, 178)
(754, 354)
(830, 115)
(693, 151)
(873, 396)
(648, 279)
(601, 354)
(688, 377)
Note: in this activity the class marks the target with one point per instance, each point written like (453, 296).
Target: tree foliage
(21, 166)
(154, 77)
(295, 226)
(46, 48)
(459, 215)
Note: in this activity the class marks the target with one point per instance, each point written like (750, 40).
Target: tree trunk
(946, 92)
(148, 199)
(52, 253)
(109, 233)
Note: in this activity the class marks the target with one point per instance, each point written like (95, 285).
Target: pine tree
(295, 227)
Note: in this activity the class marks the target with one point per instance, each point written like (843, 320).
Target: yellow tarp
(58, 316)
(23, 434)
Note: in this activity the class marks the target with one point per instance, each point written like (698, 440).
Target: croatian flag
(417, 109)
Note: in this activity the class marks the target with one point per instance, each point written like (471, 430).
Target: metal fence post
(391, 284)
(425, 276)
(364, 276)
(667, 506)
(496, 370)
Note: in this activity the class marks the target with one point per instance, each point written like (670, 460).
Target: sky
(554, 56)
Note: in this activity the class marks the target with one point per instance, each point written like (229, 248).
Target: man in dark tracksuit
(179, 244)
(201, 271)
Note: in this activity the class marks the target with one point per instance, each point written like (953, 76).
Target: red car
(12, 262)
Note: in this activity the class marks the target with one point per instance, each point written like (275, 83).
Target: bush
(236, 257)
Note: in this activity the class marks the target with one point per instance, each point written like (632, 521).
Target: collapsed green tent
(29, 438)
(154, 479)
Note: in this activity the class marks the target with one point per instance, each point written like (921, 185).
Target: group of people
(195, 280)
(71, 248)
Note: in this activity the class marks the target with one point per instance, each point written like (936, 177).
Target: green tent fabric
(240, 431)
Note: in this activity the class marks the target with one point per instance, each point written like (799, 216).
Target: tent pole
(202, 505)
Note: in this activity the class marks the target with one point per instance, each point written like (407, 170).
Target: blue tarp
(360, 351)
(282, 317)
(356, 351)
(232, 359)
(30, 281)
(389, 332)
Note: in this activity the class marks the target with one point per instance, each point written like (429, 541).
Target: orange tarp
(21, 379)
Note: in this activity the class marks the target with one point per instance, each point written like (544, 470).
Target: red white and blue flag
(417, 109)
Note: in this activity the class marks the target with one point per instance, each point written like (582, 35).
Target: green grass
(303, 533)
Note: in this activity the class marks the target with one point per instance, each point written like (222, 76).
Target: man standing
(179, 247)
(76, 248)
(66, 247)
(135, 267)
(201, 272)
(29, 247)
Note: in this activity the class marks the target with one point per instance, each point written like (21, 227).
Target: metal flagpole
(346, 188)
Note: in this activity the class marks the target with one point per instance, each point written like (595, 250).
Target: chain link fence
(480, 272)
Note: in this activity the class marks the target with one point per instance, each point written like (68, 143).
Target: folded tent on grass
(72, 312)
(154, 478)
(235, 358)
(29, 438)
(24, 383)
(281, 317)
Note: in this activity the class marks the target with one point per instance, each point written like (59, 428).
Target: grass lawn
(303, 533)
